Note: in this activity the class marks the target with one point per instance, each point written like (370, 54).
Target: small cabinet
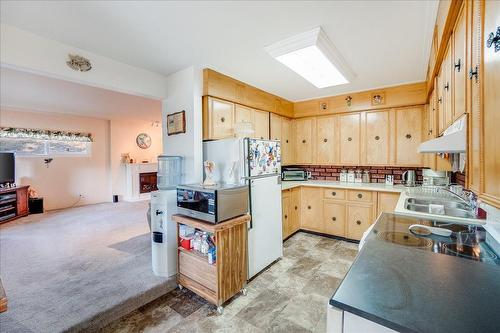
(286, 141)
(311, 208)
(304, 140)
(219, 118)
(349, 131)
(295, 209)
(243, 114)
(22, 201)
(377, 138)
(334, 218)
(275, 126)
(459, 65)
(287, 217)
(387, 202)
(408, 136)
(359, 218)
(261, 124)
(326, 141)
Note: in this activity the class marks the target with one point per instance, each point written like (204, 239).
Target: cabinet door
(377, 138)
(311, 208)
(359, 218)
(303, 140)
(440, 102)
(286, 141)
(447, 87)
(275, 127)
(408, 136)
(261, 123)
(387, 202)
(326, 143)
(491, 112)
(334, 218)
(459, 69)
(285, 204)
(349, 129)
(295, 195)
(221, 118)
(243, 114)
(22, 201)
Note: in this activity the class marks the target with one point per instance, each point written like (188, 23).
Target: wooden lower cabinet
(290, 212)
(311, 212)
(334, 218)
(359, 218)
(387, 202)
(286, 216)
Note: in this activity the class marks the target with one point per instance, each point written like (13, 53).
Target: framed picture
(176, 123)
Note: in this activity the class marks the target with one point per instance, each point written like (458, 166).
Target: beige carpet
(77, 269)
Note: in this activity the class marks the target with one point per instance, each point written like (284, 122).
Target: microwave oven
(294, 174)
(212, 204)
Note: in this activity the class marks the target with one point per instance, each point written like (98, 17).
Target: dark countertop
(413, 290)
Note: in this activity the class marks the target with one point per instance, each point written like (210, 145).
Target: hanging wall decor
(41, 134)
(176, 123)
(378, 98)
(143, 141)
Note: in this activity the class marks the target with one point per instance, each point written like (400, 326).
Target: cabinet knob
(222, 119)
(349, 139)
(286, 141)
(458, 64)
(334, 193)
(377, 137)
(358, 222)
(408, 136)
(360, 195)
(325, 140)
(447, 86)
(308, 207)
(262, 138)
(296, 207)
(334, 218)
(440, 99)
(303, 141)
(286, 216)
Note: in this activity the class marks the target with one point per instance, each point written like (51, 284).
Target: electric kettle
(409, 178)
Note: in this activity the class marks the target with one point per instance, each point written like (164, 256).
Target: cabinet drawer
(334, 193)
(334, 218)
(359, 218)
(361, 196)
(198, 269)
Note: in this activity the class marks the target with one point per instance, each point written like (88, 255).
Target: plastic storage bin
(169, 172)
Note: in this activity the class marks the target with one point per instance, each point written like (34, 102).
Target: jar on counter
(343, 175)
(366, 176)
(358, 176)
(350, 176)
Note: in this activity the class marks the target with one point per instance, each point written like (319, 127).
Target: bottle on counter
(358, 178)
(343, 175)
(366, 176)
(350, 176)
(204, 243)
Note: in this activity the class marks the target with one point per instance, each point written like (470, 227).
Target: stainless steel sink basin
(451, 208)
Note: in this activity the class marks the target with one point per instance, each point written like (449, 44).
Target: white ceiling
(25, 91)
(385, 42)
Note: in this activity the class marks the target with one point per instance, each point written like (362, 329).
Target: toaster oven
(294, 174)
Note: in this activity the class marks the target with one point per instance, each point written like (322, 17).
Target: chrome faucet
(469, 198)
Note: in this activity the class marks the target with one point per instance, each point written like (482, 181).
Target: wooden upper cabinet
(259, 99)
(304, 140)
(286, 141)
(326, 140)
(261, 124)
(218, 118)
(491, 114)
(275, 126)
(447, 88)
(377, 138)
(459, 65)
(408, 136)
(440, 102)
(243, 114)
(349, 137)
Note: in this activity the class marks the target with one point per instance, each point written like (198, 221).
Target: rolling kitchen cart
(223, 279)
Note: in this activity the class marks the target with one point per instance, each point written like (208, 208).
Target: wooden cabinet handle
(308, 207)
(358, 222)
(286, 216)
(408, 136)
(262, 138)
(296, 207)
(360, 195)
(303, 141)
(377, 137)
(349, 139)
(440, 99)
(447, 86)
(334, 218)
(458, 65)
(286, 141)
(334, 193)
(325, 140)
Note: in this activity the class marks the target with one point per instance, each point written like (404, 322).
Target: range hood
(453, 140)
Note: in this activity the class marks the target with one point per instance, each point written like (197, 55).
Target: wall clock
(143, 141)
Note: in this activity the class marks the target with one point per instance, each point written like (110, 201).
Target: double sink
(451, 207)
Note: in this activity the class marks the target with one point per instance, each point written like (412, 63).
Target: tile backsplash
(377, 173)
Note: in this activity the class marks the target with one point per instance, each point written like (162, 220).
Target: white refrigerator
(256, 163)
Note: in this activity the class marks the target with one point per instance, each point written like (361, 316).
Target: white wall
(184, 92)
(23, 50)
(66, 177)
(122, 137)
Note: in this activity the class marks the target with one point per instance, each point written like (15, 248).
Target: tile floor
(290, 296)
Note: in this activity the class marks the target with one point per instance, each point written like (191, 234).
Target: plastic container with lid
(343, 175)
(358, 177)
(366, 176)
(350, 176)
(169, 172)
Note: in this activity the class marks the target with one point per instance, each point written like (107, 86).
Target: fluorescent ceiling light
(312, 55)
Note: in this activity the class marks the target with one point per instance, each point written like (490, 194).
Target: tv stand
(13, 203)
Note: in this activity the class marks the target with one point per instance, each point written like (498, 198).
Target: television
(7, 168)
